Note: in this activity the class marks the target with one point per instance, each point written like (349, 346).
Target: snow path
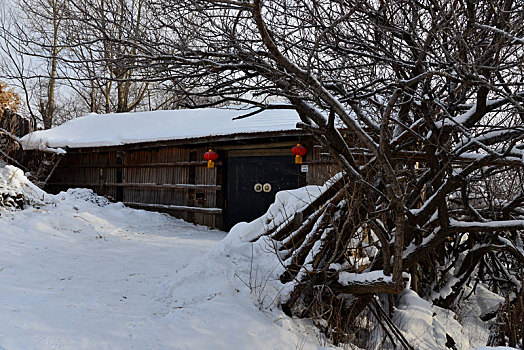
(79, 275)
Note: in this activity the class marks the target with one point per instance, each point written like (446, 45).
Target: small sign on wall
(304, 168)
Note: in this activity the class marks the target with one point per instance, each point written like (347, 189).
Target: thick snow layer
(13, 182)
(78, 272)
(427, 327)
(345, 278)
(125, 128)
(421, 329)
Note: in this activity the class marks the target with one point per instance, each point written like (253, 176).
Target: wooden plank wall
(320, 164)
(157, 177)
(172, 166)
(86, 170)
(135, 171)
(170, 176)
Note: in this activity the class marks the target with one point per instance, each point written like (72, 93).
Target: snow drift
(253, 270)
(16, 191)
(225, 298)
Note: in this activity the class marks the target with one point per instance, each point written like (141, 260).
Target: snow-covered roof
(94, 130)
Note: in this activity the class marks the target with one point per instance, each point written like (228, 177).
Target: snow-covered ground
(78, 272)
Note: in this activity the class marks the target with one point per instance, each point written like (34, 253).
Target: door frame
(301, 177)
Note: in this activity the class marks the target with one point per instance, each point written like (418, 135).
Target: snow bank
(124, 128)
(83, 273)
(229, 297)
(414, 316)
(429, 327)
(16, 190)
(245, 277)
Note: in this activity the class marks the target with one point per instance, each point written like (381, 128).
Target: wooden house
(155, 160)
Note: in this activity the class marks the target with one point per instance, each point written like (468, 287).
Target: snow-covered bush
(16, 191)
(258, 262)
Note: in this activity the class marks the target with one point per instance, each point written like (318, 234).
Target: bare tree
(102, 34)
(431, 95)
(32, 44)
(68, 60)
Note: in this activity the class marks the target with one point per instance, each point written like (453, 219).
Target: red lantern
(299, 151)
(211, 156)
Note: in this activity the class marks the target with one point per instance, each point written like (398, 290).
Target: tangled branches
(431, 95)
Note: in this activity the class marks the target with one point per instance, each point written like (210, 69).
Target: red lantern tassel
(299, 151)
(211, 156)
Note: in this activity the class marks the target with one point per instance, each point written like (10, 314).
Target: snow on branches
(430, 99)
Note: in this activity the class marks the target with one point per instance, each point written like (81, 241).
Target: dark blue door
(252, 183)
